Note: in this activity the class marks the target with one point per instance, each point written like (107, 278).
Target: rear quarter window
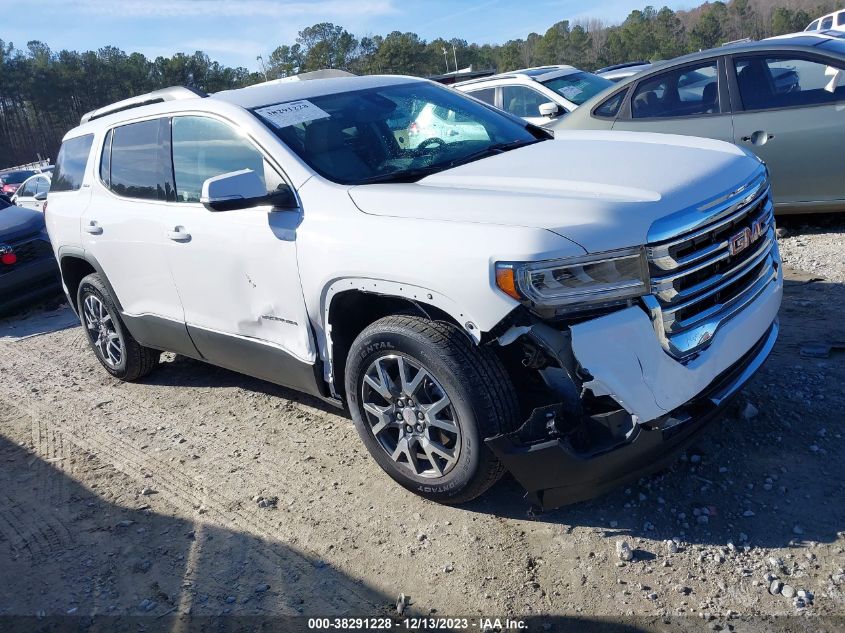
(610, 108)
(71, 163)
(487, 95)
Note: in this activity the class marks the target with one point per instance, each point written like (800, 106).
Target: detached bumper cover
(555, 474)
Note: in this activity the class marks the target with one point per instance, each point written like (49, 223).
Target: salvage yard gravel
(203, 491)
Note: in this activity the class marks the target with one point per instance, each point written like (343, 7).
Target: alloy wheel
(102, 331)
(411, 416)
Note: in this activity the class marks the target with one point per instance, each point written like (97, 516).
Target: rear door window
(140, 161)
(42, 185)
(28, 189)
(521, 101)
(681, 92)
(766, 83)
(71, 163)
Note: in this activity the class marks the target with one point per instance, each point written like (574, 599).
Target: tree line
(44, 93)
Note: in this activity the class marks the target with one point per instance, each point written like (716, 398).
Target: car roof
(271, 92)
(539, 73)
(825, 34)
(278, 91)
(623, 66)
(802, 41)
(35, 176)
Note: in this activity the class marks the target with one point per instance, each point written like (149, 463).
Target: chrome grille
(704, 276)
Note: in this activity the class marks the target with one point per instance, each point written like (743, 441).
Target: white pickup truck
(572, 309)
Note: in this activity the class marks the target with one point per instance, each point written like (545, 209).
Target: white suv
(832, 21)
(538, 95)
(475, 306)
(33, 192)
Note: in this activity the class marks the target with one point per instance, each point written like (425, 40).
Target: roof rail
(323, 73)
(174, 93)
(509, 75)
(606, 69)
(739, 41)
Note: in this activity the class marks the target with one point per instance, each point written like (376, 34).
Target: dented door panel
(237, 275)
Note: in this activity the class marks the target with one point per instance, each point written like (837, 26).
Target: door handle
(178, 234)
(93, 228)
(760, 137)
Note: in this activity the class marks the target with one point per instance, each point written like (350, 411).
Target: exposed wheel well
(353, 310)
(74, 269)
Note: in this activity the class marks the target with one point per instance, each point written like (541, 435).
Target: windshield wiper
(490, 150)
(407, 175)
(418, 173)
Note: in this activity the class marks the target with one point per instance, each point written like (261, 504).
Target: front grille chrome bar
(704, 276)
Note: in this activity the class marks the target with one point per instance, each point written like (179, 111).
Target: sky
(235, 32)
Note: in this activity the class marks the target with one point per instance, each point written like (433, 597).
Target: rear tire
(113, 345)
(427, 430)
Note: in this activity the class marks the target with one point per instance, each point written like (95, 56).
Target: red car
(10, 182)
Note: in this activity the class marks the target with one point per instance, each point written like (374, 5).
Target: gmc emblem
(746, 237)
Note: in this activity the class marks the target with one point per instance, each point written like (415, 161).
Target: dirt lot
(202, 491)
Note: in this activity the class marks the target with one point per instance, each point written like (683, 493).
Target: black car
(28, 270)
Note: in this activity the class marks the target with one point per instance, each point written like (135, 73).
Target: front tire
(424, 398)
(115, 347)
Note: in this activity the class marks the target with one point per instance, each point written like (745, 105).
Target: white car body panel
(642, 177)
(131, 247)
(639, 374)
(464, 288)
(238, 275)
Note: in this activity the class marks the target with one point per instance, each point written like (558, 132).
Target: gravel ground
(814, 244)
(201, 491)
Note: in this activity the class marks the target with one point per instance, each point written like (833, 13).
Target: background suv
(32, 193)
(538, 95)
(835, 21)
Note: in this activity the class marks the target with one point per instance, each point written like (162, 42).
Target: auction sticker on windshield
(290, 113)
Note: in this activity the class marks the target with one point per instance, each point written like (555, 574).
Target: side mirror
(41, 197)
(242, 190)
(549, 109)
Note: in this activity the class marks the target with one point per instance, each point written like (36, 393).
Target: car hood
(17, 222)
(600, 189)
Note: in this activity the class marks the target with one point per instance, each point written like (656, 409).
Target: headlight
(576, 283)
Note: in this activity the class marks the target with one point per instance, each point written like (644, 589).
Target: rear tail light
(8, 258)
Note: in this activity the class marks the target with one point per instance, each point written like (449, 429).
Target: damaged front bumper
(555, 474)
